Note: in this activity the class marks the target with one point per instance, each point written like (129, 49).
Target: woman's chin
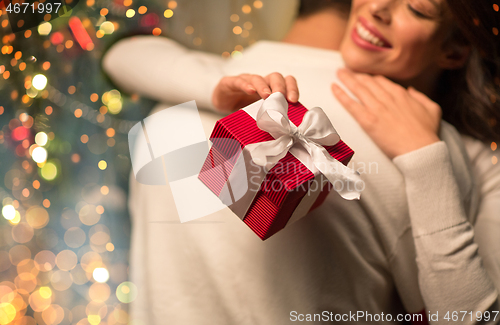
(360, 66)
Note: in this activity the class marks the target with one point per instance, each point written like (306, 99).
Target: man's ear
(454, 56)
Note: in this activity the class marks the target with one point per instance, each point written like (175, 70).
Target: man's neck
(324, 30)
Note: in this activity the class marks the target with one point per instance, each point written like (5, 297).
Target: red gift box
(273, 206)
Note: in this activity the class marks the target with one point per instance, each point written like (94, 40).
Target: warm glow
(110, 247)
(41, 138)
(110, 132)
(246, 9)
(107, 27)
(7, 313)
(130, 13)
(39, 155)
(237, 30)
(100, 274)
(9, 212)
(168, 13)
(103, 164)
(44, 28)
(49, 171)
(45, 292)
(39, 82)
(94, 319)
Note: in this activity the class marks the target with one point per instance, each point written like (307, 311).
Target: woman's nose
(381, 10)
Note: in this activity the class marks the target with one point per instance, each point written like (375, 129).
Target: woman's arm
(164, 70)
(452, 274)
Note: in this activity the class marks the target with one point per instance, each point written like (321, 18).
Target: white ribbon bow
(312, 134)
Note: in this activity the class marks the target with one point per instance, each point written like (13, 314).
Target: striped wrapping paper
(273, 206)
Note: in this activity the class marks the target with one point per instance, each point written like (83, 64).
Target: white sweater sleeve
(161, 69)
(452, 273)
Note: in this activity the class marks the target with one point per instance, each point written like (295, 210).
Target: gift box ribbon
(305, 142)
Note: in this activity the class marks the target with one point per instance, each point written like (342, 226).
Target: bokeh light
(8, 212)
(7, 313)
(99, 292)
(37, 217)
(113, 100)
(44, 28)
(41, 138)
(126, 292)
(49, 171)
(100, 274)
(39, 82)
(102, 164)
(107, 27)
(130, 13)
(39, 155)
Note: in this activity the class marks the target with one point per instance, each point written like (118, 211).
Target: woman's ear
(454, 56)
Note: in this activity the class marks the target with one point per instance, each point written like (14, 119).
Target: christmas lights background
(64, 160)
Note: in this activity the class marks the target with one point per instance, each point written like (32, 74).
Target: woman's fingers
(379, 91)
(277, 83)
(363, 93)
(240, 83)
(264, 86)
(285, 85)
(292, 89)
(260, 85)
(431, 106)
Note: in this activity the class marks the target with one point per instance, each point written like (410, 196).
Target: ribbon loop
(312, 134)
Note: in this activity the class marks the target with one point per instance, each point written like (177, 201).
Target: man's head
(309, 7)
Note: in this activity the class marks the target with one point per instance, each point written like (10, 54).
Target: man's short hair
(309, 7)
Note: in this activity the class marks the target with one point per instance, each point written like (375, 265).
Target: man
(344, 258)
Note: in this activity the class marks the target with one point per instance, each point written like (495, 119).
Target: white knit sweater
(425, 233)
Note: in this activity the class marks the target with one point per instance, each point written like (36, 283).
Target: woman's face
(400, 39)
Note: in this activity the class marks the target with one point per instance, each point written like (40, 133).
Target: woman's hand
(233, 93)
(398, 120)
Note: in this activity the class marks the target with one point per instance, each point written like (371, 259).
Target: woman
(448, 51)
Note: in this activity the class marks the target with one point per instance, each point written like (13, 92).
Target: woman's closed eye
(424, 9)
(418, 13)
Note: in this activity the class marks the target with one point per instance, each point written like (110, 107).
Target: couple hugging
(412, 85)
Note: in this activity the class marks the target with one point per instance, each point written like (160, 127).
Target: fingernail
(266, 91)
(252, 88)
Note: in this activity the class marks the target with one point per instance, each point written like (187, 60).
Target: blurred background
(64, 159)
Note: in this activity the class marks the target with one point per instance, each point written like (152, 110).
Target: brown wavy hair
(470, 97)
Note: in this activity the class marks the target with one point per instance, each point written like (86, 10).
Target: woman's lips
(367, 37)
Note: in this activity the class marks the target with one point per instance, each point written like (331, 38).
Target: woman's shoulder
(484, 159)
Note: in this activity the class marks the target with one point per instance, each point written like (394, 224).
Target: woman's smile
(368, 37)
